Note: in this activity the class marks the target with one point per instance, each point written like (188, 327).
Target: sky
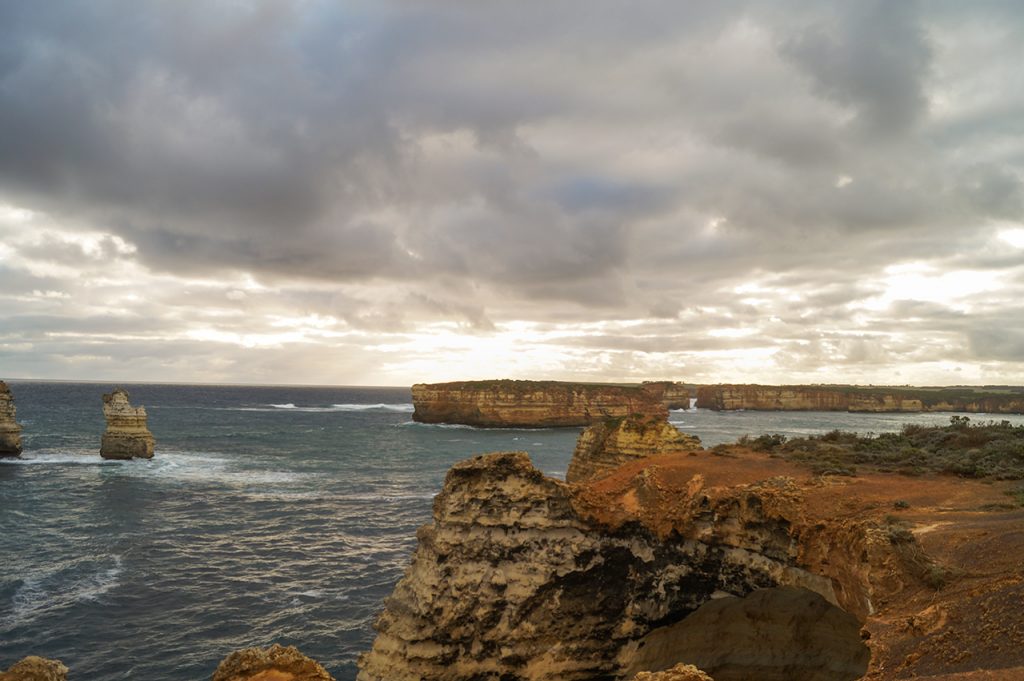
(388, 192)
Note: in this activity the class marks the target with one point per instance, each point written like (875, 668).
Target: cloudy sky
(377, 193)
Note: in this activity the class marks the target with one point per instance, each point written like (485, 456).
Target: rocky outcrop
(856, 399)
(529, 404)
(604, 447)
(127, 436)
(276, 663)
(681, 672)
(745, 566)
(672, 395)
(34, 668)
(519, 577)
(10, 431)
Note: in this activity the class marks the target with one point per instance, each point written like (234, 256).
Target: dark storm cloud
(477, 163)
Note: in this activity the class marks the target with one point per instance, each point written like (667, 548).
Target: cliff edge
(728, 397)
(529, 404)
(10, 431)
(127, 436)
(745, 566)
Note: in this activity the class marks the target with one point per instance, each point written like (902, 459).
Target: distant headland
(505, 403)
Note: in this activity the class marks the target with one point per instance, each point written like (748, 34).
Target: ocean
(269, 514)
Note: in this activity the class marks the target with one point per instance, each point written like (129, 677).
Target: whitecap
(403, 407)
(282, 406)
(55, 587)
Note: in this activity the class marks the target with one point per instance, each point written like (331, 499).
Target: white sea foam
(463, 426)
(406, 408)
(59, 586)
(61, 456)
(380, 406)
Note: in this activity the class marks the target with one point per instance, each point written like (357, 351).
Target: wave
(463, 426)
(403, 408)
(407, 408)
(44, 457)
(52, 588)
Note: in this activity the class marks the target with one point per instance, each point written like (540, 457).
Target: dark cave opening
(777, 634)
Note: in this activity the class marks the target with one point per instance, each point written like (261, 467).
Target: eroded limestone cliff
(10, 431)
(605, 446)
(672, 395)
(745, 566)
(529, 404)
(127, 436)
(855, 399)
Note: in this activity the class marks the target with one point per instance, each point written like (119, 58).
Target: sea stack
(127, 436)
(10, 431)
(604, 447)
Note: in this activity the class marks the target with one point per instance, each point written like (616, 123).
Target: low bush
(973, 450)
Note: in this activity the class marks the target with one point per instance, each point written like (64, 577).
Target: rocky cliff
(529, 404)
(745, 566)
(127, 436)
(604, 447)
(10, 431)
(856, 399)
(672, 395)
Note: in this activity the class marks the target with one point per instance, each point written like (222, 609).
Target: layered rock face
(10, 431)
(518, 577)
(672, 395)
(127, 436)
(745, 566)
(529, 404)
(820, 398)
(605, 446)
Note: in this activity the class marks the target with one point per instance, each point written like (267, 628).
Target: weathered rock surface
(34, 668)
(681, 672)
(605, 446)
(276, 663)
(855, 399)
(529, 404)
(127, 436)
(10, 431)
(523, 577)
(672, 395)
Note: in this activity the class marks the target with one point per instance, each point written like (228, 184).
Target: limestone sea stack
(10, 431)
(605, 446)
(127, 436)
(530, 404)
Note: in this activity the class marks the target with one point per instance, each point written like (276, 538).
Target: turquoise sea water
(269, 514)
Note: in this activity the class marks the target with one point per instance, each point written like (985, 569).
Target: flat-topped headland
(538, 404)
(851, 398)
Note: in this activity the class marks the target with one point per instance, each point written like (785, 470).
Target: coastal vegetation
(974, 450)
